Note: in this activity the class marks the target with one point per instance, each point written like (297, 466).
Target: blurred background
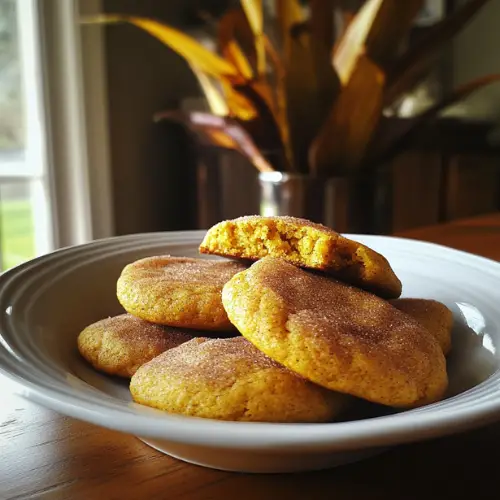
(82, 158)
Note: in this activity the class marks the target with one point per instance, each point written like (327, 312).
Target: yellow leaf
(279, 109)
(220, 132)
(344, 138)
(231, 103)
(393, 23)
(232, 52)
(310, 84)
(264, 129)
(352, 45)
(289, 13)
(234, 27)
(215, 99)
(255, 15)
(239, 106)
(184, 45)
(221, 139)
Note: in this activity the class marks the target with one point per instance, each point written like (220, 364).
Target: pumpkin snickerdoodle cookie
(121, 344)
(336, 335)
(431, 314)
(177, 291)
(230, 379)
(306, 244)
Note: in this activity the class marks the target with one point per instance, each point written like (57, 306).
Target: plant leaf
(310, 83)
(264, 130)
(240, 106)
(255, 15)
(310, 93)
(392, 24)
(217, 131)
(230, 103)
(279, 109)
(386, 147)
(410, 69)
(184, 45)
(341, 144)
(215, 99)
(322, 41)
(322, 24)
(289, 14)
(377, 30)
(234, 30)
(352, 45)
(232, 52)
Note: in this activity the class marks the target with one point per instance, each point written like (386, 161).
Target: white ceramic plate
(45, 303)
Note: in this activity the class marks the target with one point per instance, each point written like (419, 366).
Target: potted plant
(306, 98)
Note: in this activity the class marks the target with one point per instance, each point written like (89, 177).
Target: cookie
(120, 345)
(230, 379)
(431, 314)
(177, 291)
(304, 244)
(336, 335)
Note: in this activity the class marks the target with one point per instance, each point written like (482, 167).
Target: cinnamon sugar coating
(121, 344)
(305, 244)
(177, 291)
(230, 379)
(336, 335)
(432, 315)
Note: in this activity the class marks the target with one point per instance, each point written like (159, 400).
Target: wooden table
(44, 455)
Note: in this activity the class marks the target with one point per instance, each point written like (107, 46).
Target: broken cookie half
(304, 244)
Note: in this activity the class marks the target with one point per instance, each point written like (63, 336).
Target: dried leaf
(352, 45)
(310, 83)
(234, 30)
(217, 131)
(322, 40)
(410, 69)
(392, 24)
(240, 106)
(187, 47)
(215, 99)
(386, 147)
(289, 14)
(233, 53)
(264, 130)
(310, 92)
(347, 17)
(377, 30)
(264, 90)
(343, 140)
(322, 24)
(255, 15)
(271, 92)
(279, 108)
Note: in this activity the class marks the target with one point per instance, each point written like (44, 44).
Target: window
(55, 185)
(25, 209)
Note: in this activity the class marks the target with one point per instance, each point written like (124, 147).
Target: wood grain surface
(44, 455)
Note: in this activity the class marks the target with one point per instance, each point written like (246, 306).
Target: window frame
(76, 102)
(65, 160)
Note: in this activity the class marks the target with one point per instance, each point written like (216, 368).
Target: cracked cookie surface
(431, 314)
(177, 291)
(336, 335)
(305, 244)
(121, 344)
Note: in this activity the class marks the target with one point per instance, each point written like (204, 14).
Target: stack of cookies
(296, 324)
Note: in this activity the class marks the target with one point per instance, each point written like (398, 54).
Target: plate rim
(386, 430)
